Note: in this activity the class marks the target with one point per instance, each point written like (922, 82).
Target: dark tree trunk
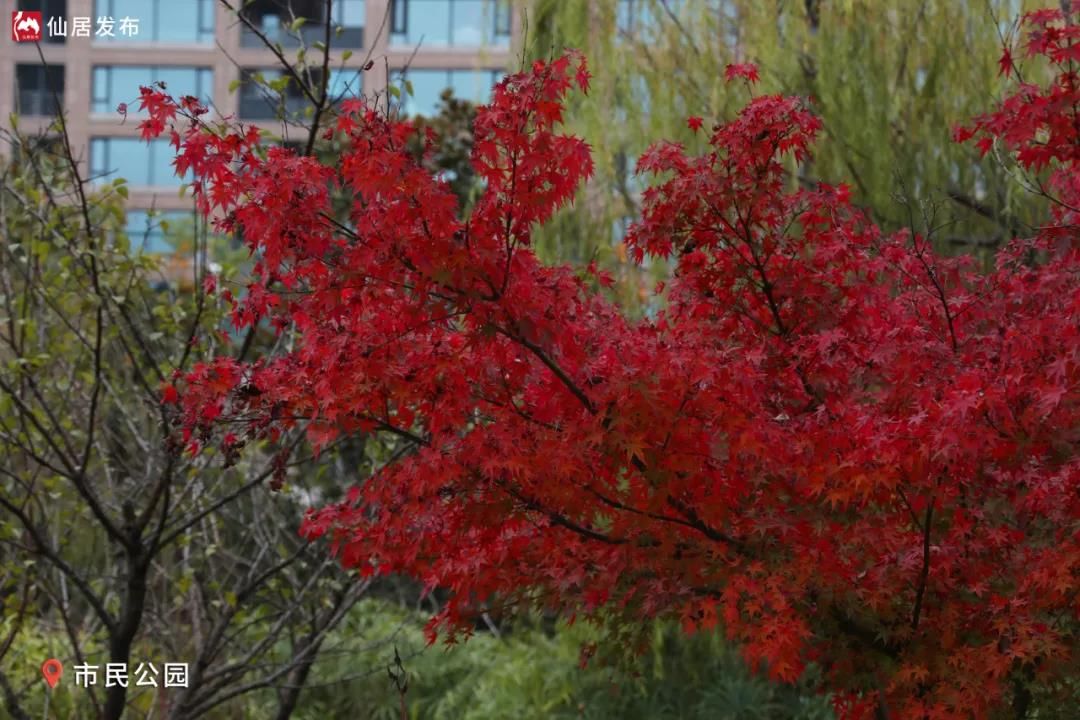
(290, 696)
(127, 628)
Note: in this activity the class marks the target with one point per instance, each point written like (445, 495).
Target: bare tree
(125, 542)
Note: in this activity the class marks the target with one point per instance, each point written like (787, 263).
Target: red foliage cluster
(840, 446)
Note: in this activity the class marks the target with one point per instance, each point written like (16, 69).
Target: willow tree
(888, 78)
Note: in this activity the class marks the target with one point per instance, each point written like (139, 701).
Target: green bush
(531, 674)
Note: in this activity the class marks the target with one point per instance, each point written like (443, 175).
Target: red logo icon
(26, 26)
(52, 670)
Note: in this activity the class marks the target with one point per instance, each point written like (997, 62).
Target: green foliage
(94, 488)
(452, 141)
(529, 673)
(22, 664)
(888, 77)
(533, 674)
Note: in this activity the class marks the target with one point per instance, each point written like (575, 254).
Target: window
(503, 17)
(49, 9)
(345, 84)
(37, 88)
(162, 21)
(149, 230)
(259, 102)
(273, 17)
(141, 163)
(399, 18)
(450, 23)
(115, 84)
(38, 146)
(428, 85)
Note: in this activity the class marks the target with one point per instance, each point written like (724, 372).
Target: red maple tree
(838, 445)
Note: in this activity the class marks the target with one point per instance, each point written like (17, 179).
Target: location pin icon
(52, 670)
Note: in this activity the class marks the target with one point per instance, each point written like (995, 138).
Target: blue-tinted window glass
(162, 154)
(98, 150)
(132, 160)
(38, 88)
(503, 20)
(165, 21)
(344, 84)
(272, 27)
(472, 85)
(477, 88)
(426, 88)
(138, 162)
(140, 10)
(207, 8)
(127, 158)
(177, 21)
(428, 85)
(258, 102)
(427, 24)
(469, 22)
(350, 13)
(450, 23)
(149, 231)
(122, 85)
(115, 84)
(99, 89)
(179, 81)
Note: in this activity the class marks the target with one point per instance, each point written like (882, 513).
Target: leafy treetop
(839, 445)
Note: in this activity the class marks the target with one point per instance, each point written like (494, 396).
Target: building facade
(96, 60)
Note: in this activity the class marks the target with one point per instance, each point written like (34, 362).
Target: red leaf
(1005, 62)
(858, 449)
(746, 71)
(169, 395)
